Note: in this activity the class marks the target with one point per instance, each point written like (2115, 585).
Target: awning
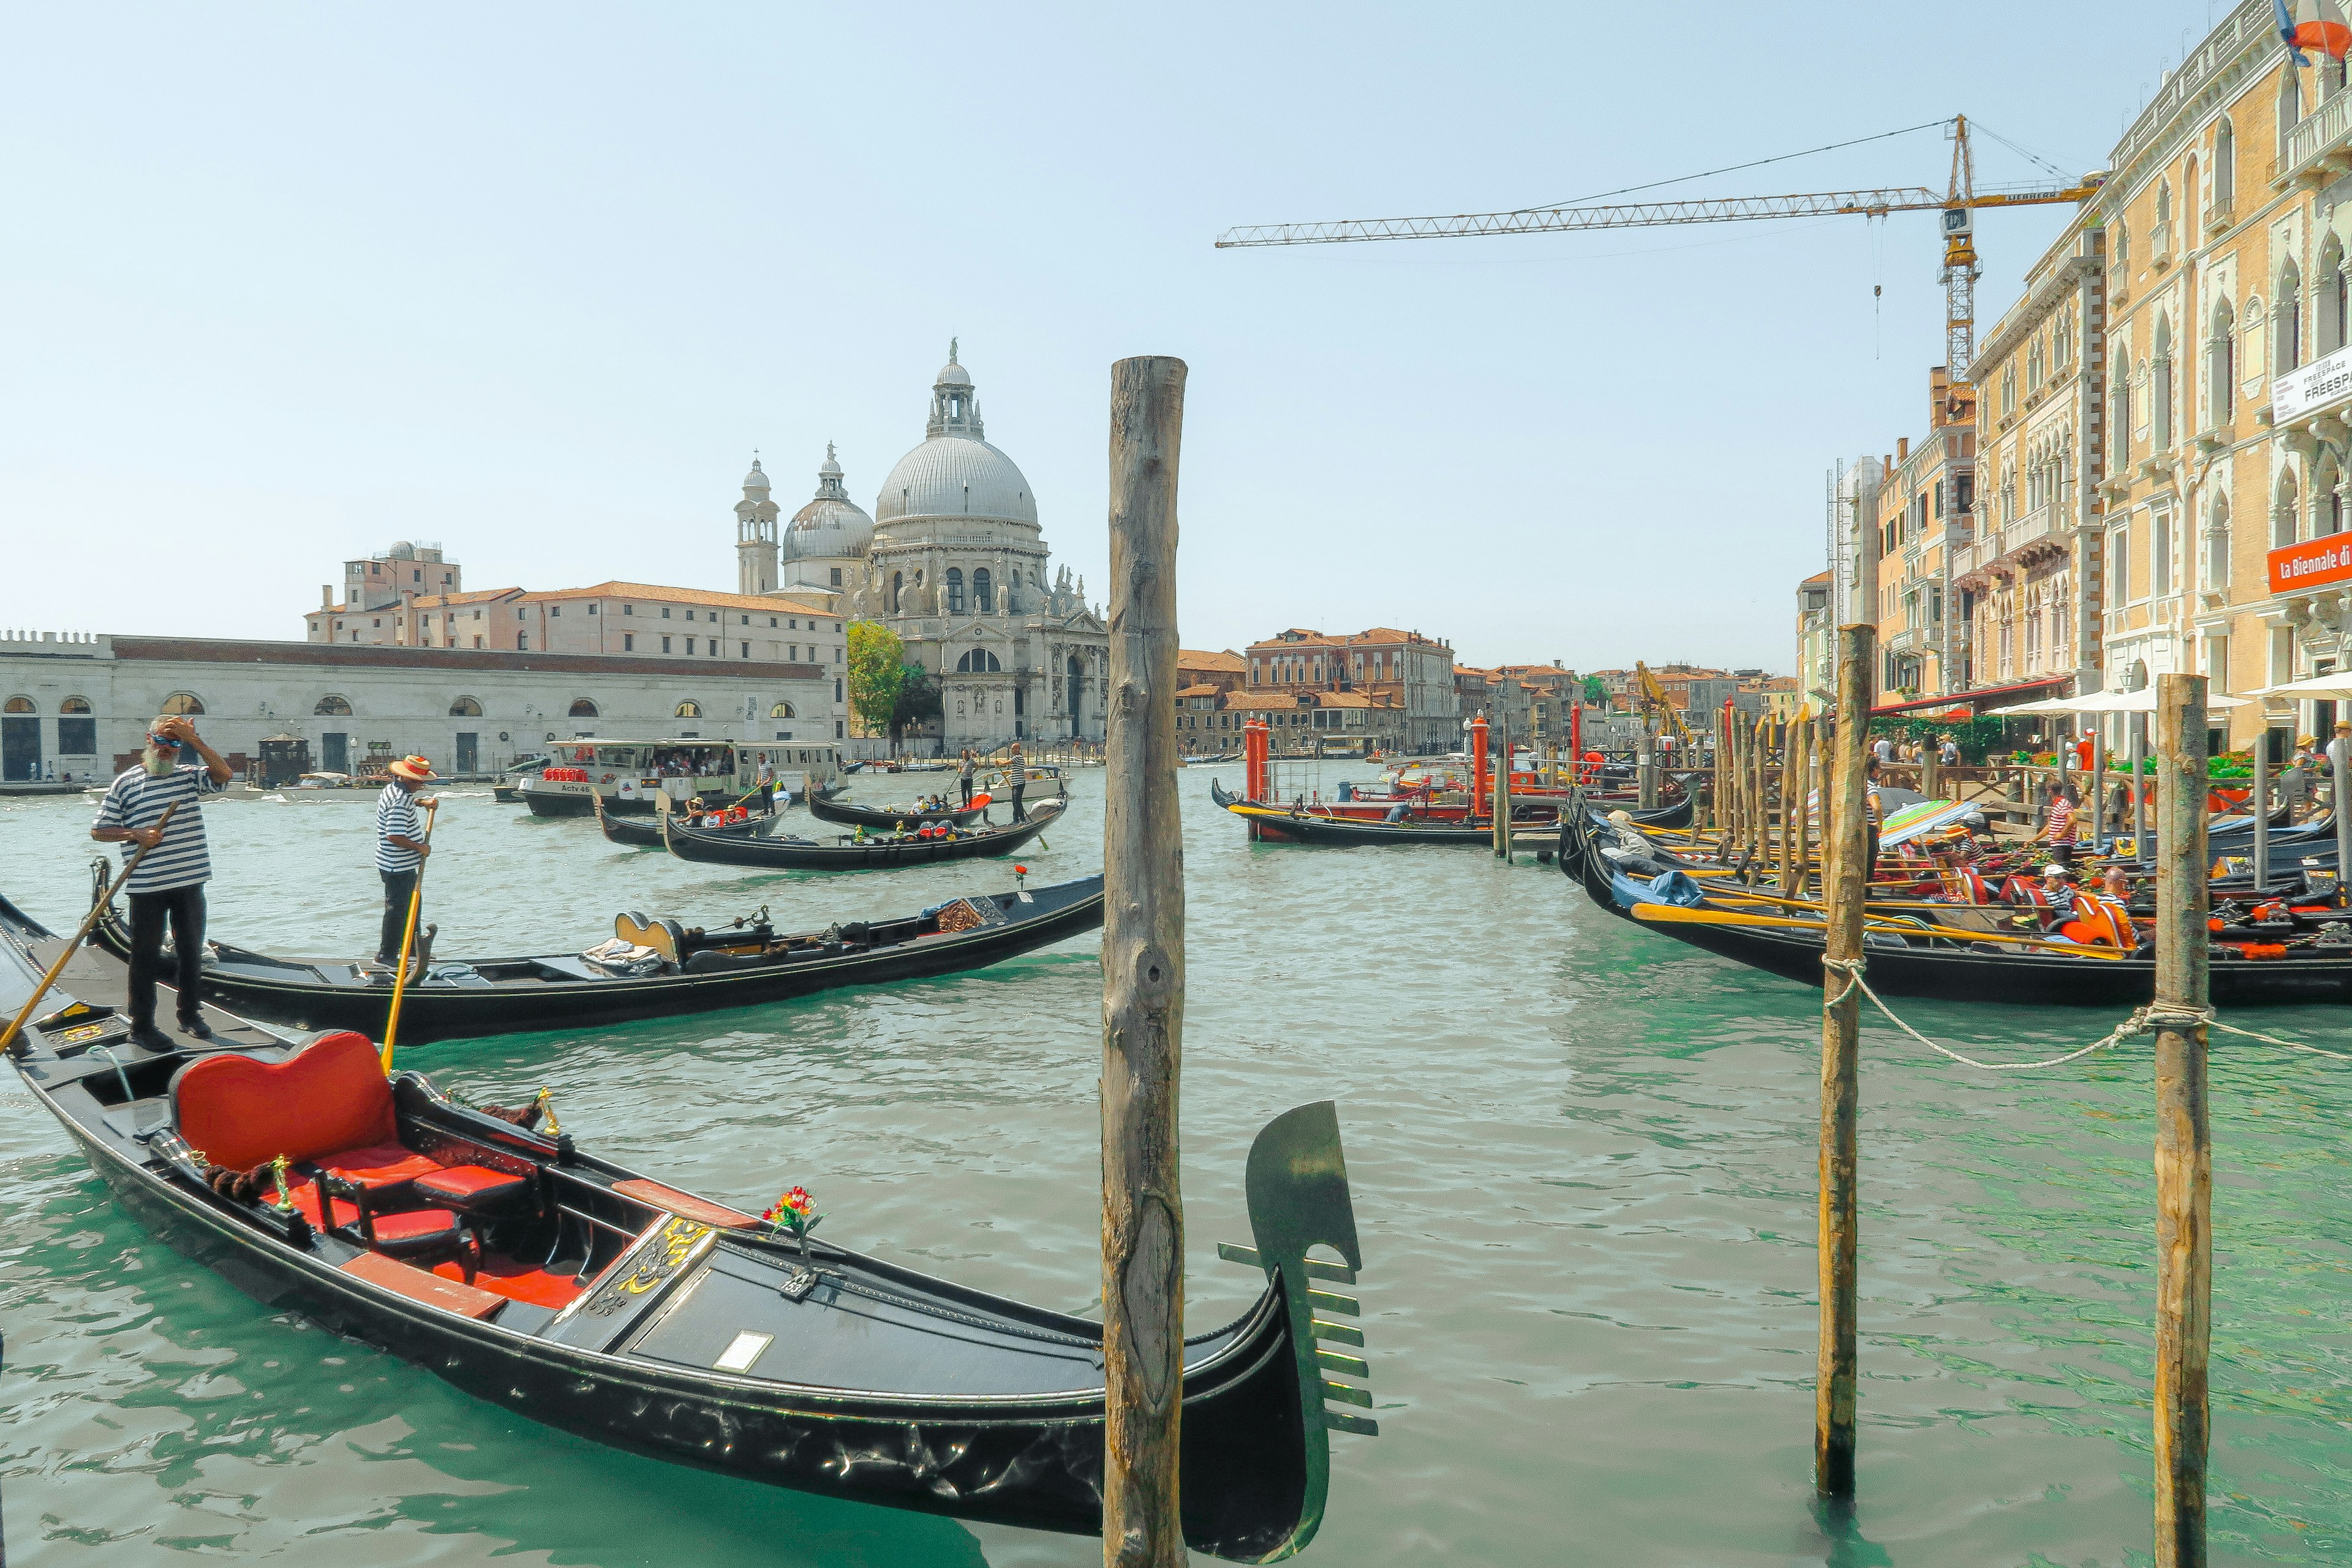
(1975, 699)
(2318, 688)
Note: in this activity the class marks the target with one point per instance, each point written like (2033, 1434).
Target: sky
(282, 284)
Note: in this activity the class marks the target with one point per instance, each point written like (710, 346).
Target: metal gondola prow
(1297, 1185)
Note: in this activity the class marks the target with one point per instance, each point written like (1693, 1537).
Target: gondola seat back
(666, 937)
(328, 1104)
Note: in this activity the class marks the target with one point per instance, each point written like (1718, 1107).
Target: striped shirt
(137, 799)
(395, 812)
(2061, 829)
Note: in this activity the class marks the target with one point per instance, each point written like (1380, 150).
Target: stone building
(80, 706)
(1414, 672)
(1922, 511)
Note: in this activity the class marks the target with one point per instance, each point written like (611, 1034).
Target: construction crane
(1958, 206)
(1654, 696)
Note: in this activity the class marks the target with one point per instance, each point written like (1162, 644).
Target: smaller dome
(831, 467)
(952, 374)
(831, 526)
(755, 480)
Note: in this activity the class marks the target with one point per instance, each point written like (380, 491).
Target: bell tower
(755, 535)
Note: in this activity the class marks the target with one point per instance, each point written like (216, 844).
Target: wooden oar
(407, 942)
(88, 921)
(1675, 914)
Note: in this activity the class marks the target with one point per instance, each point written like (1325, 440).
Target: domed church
(953, 560)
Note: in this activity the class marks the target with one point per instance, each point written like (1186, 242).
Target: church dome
(755, 480)
(956, 473)
(831, 524)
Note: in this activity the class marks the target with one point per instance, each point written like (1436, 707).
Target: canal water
(1582, 1160)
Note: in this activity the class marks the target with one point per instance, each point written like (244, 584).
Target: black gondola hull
(769, 854)
(868, 816)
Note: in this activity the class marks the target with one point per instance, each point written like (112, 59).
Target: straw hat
(416, 770)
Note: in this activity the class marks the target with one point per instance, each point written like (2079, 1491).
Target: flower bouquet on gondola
(794, 1215)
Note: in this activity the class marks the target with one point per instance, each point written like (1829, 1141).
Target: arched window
(2290, 109)
(75, 705)
(781, 710)
(2159, 399)
(2216, 546)
(77, 730)
(978, 661)
(690, 709)
(983, 599)
(2036, 364)
(2327, 498)
(955, 590)
(898, 586)
(2009, 390)
(19, 705)
(2285, 505)
(2119, 564)
(2122, 247)
(2159, 553)
(582, 709)
(183, 703)
(2221, 367)
(2286, 319)
(466, 708)
(332, 707)
(2225, 167)
(2119, 413)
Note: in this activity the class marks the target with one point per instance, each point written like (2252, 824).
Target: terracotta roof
(1260, 699)
(655, 592)
(1197, 691)
(1229, 661)
(1816, 577)
(439, 601)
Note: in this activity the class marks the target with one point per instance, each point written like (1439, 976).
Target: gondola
(639, 834)
(580, 1293)
(1926, 967)
(1304, 825)
(691, 970)
(873, 816)
(848, 853)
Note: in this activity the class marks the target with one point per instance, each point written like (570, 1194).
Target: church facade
(952, 560)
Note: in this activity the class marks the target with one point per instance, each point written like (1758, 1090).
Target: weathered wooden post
(1793, 826)
(1646, 772)
(2259, 800)
(2340, 755)
(2184, 1137)
(2139, 786)
(1503, 796)
(1143, 982)
(1846, 841)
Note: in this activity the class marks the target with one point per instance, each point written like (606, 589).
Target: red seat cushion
(378, 1166)
(330, 1095)
(464, 1184)
(391, 1229)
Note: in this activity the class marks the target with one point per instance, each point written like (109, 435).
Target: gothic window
(2159, 411)
(2327, 499)
(955, 590)
(465, 707)
(2225, 167)
(983, 601)
(2216, 546)
(2286, 319)
(2284, 508)
(2036, 365)
(2290, 109)
(2329, 335)
(2222, 360)
(2163, 202)
(185, 703)
(2009, 390)
(333, 707)
(2119, 413)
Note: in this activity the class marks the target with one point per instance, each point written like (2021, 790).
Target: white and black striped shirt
(395, 812)
(139, 799)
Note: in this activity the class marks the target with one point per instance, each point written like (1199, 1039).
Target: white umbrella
(2324, 687)
(2142, 701)
(2047, 705)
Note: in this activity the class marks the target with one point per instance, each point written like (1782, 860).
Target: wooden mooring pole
(2184, 1133)
(1143, 982)
(1798, 775)
(1845, 842)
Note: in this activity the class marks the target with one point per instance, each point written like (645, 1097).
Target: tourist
(400, 851)
(2294, 785)
(170, 881)
(2058, 826)
(2116, 883)
(767, 777)
(1871, 814)
(1947, 753)
(965, 769)
(1882, 751)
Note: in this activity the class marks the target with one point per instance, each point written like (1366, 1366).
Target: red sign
(2314, 561)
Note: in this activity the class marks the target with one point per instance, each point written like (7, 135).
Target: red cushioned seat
(392, 1230)
(377, 1166)
(327, 1099)
(470, 1186)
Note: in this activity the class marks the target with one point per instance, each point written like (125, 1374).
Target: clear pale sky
(282, 284)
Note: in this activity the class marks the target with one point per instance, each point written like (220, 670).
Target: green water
(1582, 1159)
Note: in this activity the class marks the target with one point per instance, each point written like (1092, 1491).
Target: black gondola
(698, 972)
(640, 834)
(848, 853)
(872, 816)
(1973, 972)
(582, 1294)
(1533, 816)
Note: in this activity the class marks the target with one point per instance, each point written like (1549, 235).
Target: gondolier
(400, 850)
(767, 784)
(1020, 780)
(964, 771)
(170, 882)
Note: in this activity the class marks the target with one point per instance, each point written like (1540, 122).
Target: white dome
(831, 524)
(755, 480)
(956, 475)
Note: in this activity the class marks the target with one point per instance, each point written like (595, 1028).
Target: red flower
(1020, 870)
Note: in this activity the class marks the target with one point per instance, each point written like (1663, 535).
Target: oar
(88, 921)
(1675, 914)
(407, 942)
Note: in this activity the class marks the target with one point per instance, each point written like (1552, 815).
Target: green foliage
(878, 669)
(1976, 736)
(1594, 692)
(918, 702)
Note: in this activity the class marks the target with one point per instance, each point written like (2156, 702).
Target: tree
(877, 668)
(920, 700)
(1595, 692)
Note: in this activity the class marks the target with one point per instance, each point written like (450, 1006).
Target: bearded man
(169, 883)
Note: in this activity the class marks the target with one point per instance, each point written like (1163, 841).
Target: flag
(2317, 25)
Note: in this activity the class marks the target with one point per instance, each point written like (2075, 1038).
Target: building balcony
(2159, 245)
(2302, 397)
(2320, 146)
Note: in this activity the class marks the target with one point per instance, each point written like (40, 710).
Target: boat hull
(770, 854)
